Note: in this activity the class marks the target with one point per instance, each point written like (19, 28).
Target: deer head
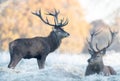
(97, 53)
(58, 24)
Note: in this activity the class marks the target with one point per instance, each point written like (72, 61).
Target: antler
(110, 42)
(91, 40)
(40, 16)
(57, 23)
(55, 15)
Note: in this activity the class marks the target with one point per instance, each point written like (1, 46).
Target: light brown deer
(95, 63)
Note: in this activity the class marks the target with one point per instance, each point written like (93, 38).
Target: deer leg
(14, 61)
(41, 62)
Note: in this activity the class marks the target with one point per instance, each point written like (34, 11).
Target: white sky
(99, 9)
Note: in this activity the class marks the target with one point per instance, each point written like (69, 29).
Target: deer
(95, 62)
(39, 47)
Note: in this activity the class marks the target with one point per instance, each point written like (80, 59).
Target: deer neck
(97, 68)
(54, 41)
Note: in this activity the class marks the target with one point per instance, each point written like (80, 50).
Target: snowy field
(58, 67)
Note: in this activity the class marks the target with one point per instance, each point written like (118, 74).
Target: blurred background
(16, 21)
(69, 62)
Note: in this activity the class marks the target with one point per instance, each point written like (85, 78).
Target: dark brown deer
(38, 47)
(95, 63)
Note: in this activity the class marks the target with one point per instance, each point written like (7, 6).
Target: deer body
(38, 47)
(95, 63)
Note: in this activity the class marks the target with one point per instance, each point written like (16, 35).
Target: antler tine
(57, 23)
(96, 33)
(97, 47)
(110, 41)
(112, 37)
(93, 34)
(90, 42)
(49, 13)
(61, 22)
(90, 45)
(55, 14)
(40, 16)
(64, 23)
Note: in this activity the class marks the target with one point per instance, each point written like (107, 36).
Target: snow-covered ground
(58, 67)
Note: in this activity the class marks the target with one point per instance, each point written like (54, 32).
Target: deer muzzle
(67, 34)
(90, 61)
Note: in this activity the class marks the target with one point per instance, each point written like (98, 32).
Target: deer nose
(88, 60)
(68, 34)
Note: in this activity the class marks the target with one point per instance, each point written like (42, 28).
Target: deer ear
(91, 52)
(103, 52)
